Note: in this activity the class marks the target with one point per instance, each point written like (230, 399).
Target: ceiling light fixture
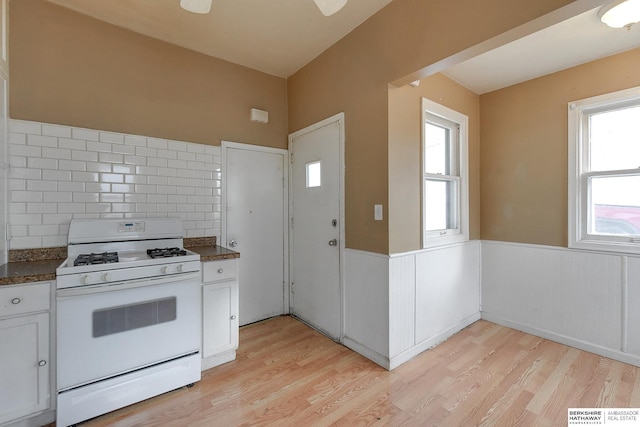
(329, 7)
(196, 6)
(621, 13)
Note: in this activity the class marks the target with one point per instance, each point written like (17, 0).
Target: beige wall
(70, 69)
(405, 156)
(524, 149)
(352, 76)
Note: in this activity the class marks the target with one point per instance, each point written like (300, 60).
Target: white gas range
(128, 315)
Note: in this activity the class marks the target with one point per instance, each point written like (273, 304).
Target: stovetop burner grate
(166, 252)
(96, 258)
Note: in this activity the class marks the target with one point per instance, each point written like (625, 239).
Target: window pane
(615, 205)
(436, 149)
(313, 174)
(615, 139)
(439, 211)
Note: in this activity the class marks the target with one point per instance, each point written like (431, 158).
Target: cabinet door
(24, 371)
(219, 318)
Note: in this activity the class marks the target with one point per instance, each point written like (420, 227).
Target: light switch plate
(377, 212)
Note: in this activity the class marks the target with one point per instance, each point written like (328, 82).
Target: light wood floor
(286, 374)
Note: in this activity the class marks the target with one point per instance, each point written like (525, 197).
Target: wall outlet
(377, 212)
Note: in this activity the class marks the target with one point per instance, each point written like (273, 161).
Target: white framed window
(604, 172)
(445, 207)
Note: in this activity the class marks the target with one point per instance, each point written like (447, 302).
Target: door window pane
(314, 174)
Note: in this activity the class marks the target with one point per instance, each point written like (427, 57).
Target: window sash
(588, 219)
(451, 208)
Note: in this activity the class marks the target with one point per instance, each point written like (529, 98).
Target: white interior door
(317, 224)
(254, 224)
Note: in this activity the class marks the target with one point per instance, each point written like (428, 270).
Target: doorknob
(233, 243)
(333, 242)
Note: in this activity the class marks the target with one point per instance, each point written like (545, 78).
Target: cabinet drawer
(214, 271)
(23, 299)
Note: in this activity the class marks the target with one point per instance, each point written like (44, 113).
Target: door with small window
(316, 226)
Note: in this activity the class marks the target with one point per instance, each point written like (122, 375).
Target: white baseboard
(395, 361)
(365, 351)
(566, 340)
(432, 342)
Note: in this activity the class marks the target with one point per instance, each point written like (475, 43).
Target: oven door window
(124, 318)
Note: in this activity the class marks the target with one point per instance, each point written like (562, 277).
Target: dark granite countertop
(36, 265)
(16, 272)
(213, 253)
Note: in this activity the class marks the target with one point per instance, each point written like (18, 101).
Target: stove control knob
(180, 268)
(164, 269)
(86, 279)
(106, 277)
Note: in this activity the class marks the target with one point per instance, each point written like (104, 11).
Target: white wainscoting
(583, 299)
(366, 305)
(400, 305)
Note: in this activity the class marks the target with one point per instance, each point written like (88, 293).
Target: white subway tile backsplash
(23, 126)
(123, 149)
(41, 163)
(72, 165)
(71, 186)
(113, 137)
(111, 158)
(56, 130)
(59, 173)
(135, 140)
(102, 147)
(25, 218)
(26, 242)
(97, 167)
(86, 197)
(42, 140)
(56, 153)
(135, 160)
(57, 197)
(87, 134)
(97, 187)
(111, 177)
(38, 185)
(157, 143)
(88, 156)
(26, 150)
(72, 144)
(17, 138)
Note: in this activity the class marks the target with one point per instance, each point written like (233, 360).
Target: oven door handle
(127, 284)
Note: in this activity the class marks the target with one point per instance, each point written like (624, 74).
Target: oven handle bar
(127, 284)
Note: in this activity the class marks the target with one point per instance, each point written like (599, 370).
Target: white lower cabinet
(24, 351)
(219, 312)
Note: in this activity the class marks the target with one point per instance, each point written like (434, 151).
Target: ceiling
(574, 41)
(279, 37)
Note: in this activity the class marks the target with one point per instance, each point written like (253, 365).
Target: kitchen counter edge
(42, 270)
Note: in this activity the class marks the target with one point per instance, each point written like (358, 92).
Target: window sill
(620, 248)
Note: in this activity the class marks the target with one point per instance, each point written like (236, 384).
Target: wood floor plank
(287, 374)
